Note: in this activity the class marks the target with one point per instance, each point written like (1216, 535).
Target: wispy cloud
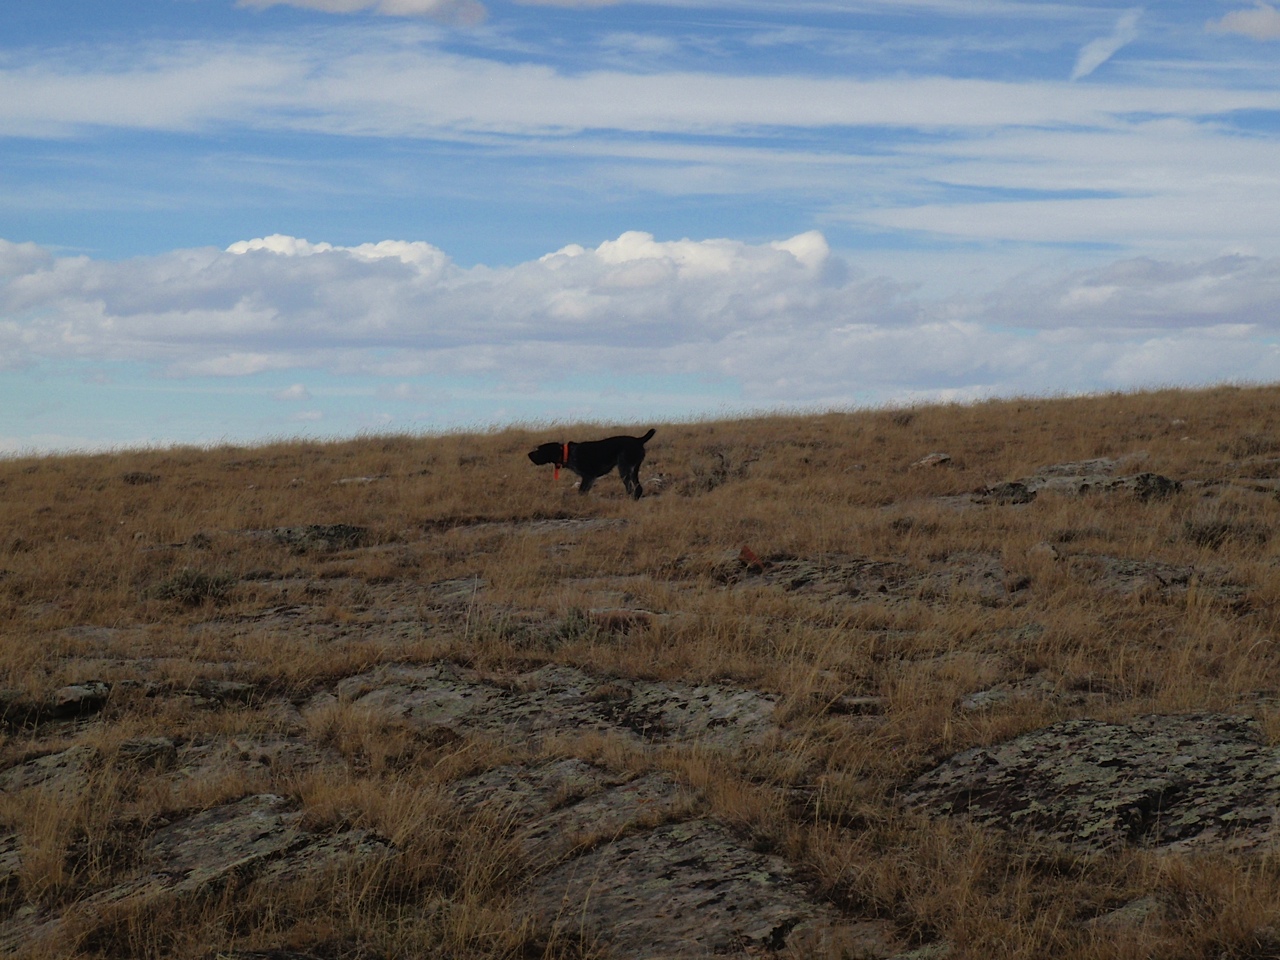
(408, 91)
(294, 393)
(465, 12)
(568, 3)
(1097, 52)
(1260, 23)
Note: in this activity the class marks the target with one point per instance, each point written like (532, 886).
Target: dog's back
(594, 458)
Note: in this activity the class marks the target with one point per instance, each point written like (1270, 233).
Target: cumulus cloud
(790, 321)
(19, 258)
(1260, 23)
(1097, 52)
(465, 12)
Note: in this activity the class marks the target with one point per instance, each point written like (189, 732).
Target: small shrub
(1251, 445)
(137, 478)
(191, 588)
(1214, 533)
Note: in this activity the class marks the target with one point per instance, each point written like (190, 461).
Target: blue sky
(228, 221)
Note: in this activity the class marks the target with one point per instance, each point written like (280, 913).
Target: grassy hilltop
(410, 697)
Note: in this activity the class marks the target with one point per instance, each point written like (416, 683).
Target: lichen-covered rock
(557, 807)
(66, 771)
(1009, 492)
(555, 700)
(971, 575)
(1098, 466)
(1080, 477)
(79, 699)
(258, 837)
(324, 537)
(1168, 782)
(931, 460)
(1144, 486)
(1126, 575)
(692, 889)
(614, 858)
(1136, 913)
(18, 709)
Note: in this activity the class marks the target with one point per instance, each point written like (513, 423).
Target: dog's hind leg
(631, 480)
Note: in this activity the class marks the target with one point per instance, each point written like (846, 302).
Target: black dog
(595, 458)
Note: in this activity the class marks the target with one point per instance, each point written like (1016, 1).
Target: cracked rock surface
(1166, 782)
(555, 699)
(259, 837)
(692, 889)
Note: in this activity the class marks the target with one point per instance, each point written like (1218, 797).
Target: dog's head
(548, 453)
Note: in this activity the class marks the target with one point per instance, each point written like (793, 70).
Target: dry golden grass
(164, 560)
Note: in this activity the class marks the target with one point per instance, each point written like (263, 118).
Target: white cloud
(407, 91)
(466, 12)
(295, 392)
(19, 258)
(37, 444)
(1185, 175)
(568, 3)
(1260, 23)
(790, 321)
(1096, 53)
(1236, 294)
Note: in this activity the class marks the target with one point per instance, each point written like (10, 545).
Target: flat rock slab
(259, 837)
(562, 806)
(556, 700)
(315, 537)
(74, 700)
(1143, 486)
(615, 859)
(66, 771)
(1124, 575)
(979, 576)
(70, 772)
(1163, 782)
(692, 889)
(547, 524)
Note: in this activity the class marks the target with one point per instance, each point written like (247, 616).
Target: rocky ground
(631, 858)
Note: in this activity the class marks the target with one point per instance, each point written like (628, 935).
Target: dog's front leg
(585, 484)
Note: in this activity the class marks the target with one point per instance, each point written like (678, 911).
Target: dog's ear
(545, 453)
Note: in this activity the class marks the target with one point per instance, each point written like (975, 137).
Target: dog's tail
(648, 436)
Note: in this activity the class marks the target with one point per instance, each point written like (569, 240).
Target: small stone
(985, 699)
(932, 460)
(79, 699)
(857, 705)
(1136, 913)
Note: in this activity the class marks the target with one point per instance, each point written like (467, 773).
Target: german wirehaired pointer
(595, 458)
